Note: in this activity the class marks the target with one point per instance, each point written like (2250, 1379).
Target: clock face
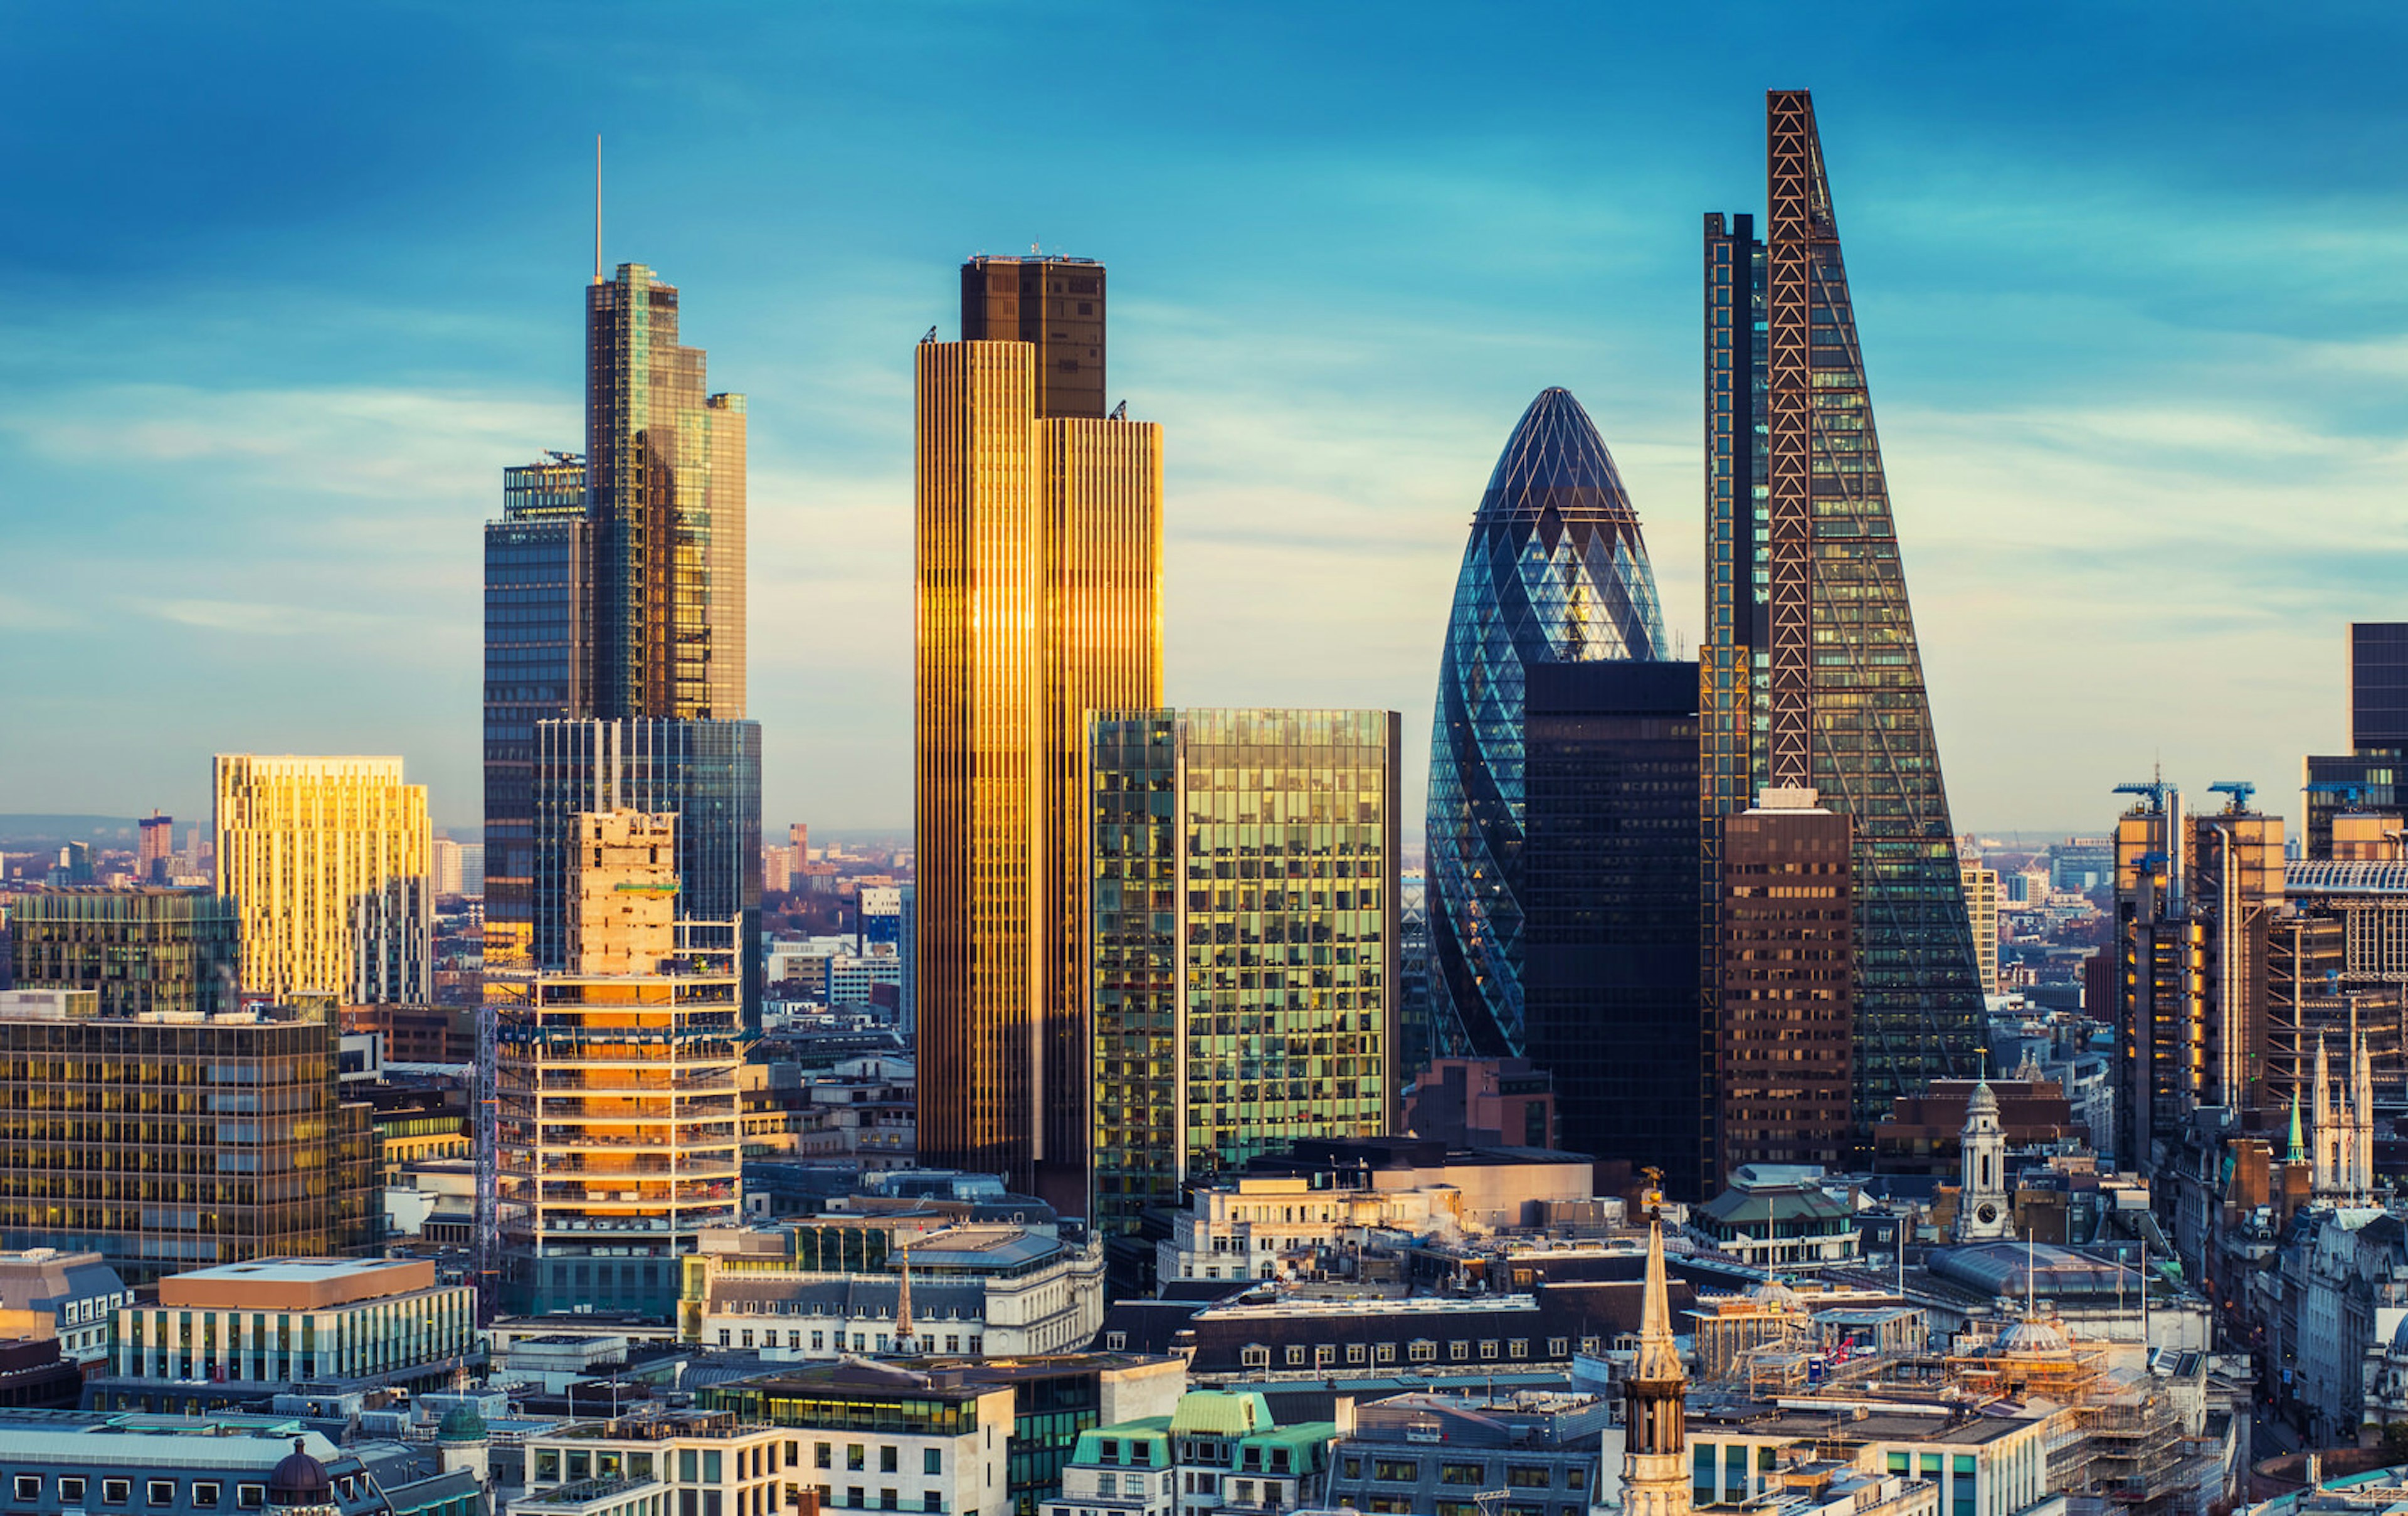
(1987, 1213)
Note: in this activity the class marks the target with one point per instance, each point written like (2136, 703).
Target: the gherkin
(1555, 570)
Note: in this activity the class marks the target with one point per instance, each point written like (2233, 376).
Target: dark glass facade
(176, 1145)
(708, 773)
(1609, 876)
(1056, 304)
(666, 497)
(1243, 950)
(1811, 677)
(1555, 571)
(2367, 778)
(537, 637)
(144, 949)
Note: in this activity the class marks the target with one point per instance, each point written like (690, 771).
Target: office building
(1812, 678)
(78, 1292)
(617, 1128)
(1038, 564)
(539, 663)
(327, 861)
(280, 1324)
(654, 1461)
(1416, 1450)
(664, 480)
(179, 1468)
(1055, 305)
(1244, 946)
(1784, 1046)
(2366, 777)
(165, 1145)
(1555, 570)
(1608, 862)
(708, 774)
(142, 949)
(156, 852)
(906, 926)
(1982, 913)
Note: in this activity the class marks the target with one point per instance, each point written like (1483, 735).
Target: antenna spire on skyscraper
(598, 208)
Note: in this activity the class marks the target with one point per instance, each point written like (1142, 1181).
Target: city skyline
(184, 475)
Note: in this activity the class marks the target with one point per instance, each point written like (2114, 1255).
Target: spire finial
(903, 1304)
(1659, 1356)
(598, 208)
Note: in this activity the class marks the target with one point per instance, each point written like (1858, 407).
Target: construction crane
(2157, 789)
(2240, 790)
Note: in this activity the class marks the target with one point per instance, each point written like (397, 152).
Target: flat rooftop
(297, 1283)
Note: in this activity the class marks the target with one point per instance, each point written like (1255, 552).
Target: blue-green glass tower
(1810, 676)
(1555, 571)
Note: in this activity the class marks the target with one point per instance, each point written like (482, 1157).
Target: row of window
(27, 1489)
(1517, 1476)
(860, 1341)
(1255, 1355)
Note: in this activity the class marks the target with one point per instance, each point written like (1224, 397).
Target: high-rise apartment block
(617, 1125)
(1609, 867)
(167, 1141)
(708, 774)
(1037, 553)
(328, 861)
(141, 949)
(1811, 677)
(539, 661)
(1244, 946)
(1785, 1043)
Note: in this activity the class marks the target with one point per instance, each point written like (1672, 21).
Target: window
(29, 1487)
(1254, 1355)
(1560, 1346)
(1575, 1478)
(159, 1492)
(887, 1459)
(1588, 1345)
(819, 1341)
(889, 1500)
(1384, 1352)
(932, 1460)
(1529, 1476)
(1518, 1348)
(857, 1456)
(1115, 1342)
(825, 1454)
(1462, 1473)
(1108, 1486)
(204, 1492)
(932, 1501)
(251, 1496)
(118, 1492)
(1422, 1351)
(1458, 1349)
(1295, 1356)
(1396, 1470)
(1488, 1347)
(1355, 1354)
(71, 1489)
(1352, 1466)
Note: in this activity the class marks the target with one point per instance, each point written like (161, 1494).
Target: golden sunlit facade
(1038, 558)
(328, 860)
(617, 1127)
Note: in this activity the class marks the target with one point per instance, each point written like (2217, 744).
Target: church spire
(1655, 1468)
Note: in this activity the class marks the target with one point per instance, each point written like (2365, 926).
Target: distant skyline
(291, 286)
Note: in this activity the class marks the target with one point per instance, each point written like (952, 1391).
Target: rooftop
(297, 1283)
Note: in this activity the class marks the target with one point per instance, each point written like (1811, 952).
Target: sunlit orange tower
(1037, 563)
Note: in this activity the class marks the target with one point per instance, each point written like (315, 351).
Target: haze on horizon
(292, 286)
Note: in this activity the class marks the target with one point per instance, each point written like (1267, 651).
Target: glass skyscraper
(1810, 675)
(665, 492)
(1555, 571)
(1243, 949)
(143, 950)
(2366, 777)
(707, 773)
(1038, 564)
(539, 638)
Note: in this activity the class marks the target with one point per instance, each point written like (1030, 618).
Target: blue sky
(288, 285)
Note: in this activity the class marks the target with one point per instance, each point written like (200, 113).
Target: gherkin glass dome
(1555, 570)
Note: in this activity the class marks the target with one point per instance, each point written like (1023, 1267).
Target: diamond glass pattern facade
(1555, 570)
(1811, 677)
(1243, 951)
